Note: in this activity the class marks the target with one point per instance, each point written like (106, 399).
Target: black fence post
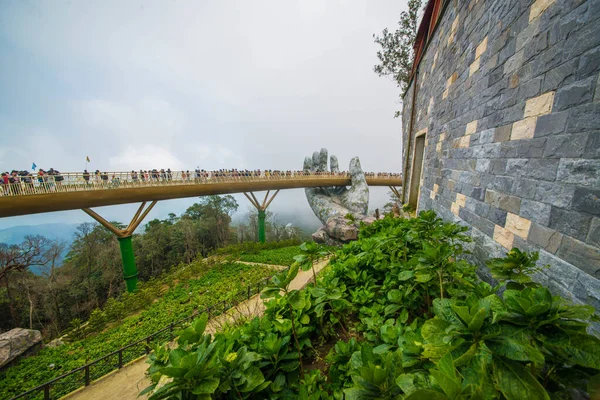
(148, 345)
(46, 392)
(87, 374)
(120, 358)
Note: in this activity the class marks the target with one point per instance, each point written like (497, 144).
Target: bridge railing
(76, 181)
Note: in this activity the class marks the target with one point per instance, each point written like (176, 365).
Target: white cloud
(147, 156)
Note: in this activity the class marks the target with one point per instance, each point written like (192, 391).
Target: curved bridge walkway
(71, 191)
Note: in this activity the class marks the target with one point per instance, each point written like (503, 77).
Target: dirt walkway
(129, 381)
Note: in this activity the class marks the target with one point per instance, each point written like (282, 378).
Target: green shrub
(414, 321)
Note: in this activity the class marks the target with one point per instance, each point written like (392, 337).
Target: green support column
(261, 226)
(129, 270)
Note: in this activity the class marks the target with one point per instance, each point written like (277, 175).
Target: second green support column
(261, 226)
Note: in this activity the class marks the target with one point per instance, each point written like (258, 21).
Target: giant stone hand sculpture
(331, 205)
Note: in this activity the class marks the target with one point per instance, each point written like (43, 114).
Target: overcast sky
(179, 84)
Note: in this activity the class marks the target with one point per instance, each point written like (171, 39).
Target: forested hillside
(91, 273)
(132, 316)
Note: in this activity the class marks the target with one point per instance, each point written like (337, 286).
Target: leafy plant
(516, 268)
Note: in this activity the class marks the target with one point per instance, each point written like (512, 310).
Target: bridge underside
(80, 199)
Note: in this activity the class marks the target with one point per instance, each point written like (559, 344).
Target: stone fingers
(333, 164)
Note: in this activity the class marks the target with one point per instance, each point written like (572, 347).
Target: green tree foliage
(92, 272)
(396, 54)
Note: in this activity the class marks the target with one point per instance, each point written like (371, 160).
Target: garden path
(127, 382)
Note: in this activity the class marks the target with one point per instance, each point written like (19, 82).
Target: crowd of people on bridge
(13, 181)
(17, 182)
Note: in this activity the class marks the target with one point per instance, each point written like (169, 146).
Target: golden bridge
(26, 195)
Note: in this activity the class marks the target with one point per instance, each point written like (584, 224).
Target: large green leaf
(477, 320)
(176, 355)
(296, 299)
(515, 348)
(582, 349)
(405, 275)
(206, 386)
(516, 382)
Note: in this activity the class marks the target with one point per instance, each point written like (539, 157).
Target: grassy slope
(210, 286)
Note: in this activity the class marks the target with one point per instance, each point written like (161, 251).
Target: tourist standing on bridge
(86, 177)
(5, 181)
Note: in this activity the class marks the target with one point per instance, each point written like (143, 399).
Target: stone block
(502, 134)
(560, 273)
(478, 208)
(579, 172)
(530, 88)
(538, 7)
(463, 142)
(540, 105)
(503, 184)
(592, 147)
(581, 255)
(532, 148)
(557, 194)
(566, 146)
(460, 199)
(486, 136)
(535, 211)
(497, 216)
(504, 237)
(455, 209)
(477, 193)
(593, 236)
(589, 63)
(584, 118)
(514, 166)
(474, 67)
(490, 150)
(574, 94)
(546, 238)
(587, 200)
(576, 44)
(560, 76)
(517, 225)
(509, 203)
(481, 48)
(523, 129)
(525, 36)
(497, 166)
(551, 124)
(471, 128)
(526, 188)
(541, 169)
(571, 223)
(514, 62)
(513, 82)
(483, 165)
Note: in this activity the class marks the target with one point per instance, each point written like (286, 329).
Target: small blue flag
(33, 166)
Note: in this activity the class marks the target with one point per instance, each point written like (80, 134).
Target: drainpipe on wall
(410, 131)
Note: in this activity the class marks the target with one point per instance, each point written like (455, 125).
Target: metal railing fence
(76, 181)
(84, 375)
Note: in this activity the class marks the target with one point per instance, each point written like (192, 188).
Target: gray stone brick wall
(508, 95)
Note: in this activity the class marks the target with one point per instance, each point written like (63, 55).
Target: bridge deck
(73, 192)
